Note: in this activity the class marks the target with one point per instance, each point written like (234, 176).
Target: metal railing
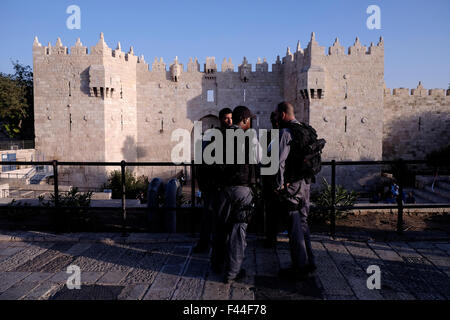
(400, 206)
(16, 144)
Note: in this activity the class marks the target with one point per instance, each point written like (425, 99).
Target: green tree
(16, 102)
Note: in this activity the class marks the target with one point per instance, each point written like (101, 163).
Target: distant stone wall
(415, 122)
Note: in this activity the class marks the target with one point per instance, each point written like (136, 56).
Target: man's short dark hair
(285, 107)
(224, 111)
(240, 113)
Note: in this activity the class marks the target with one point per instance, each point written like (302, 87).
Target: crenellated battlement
(100, 49)
(313, 49)
(419, 91)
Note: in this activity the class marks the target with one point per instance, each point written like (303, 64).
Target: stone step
(439, 192)
(432, 198)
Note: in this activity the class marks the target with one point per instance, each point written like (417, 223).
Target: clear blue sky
(416, 33)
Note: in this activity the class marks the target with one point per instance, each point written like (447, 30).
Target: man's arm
(285, 139)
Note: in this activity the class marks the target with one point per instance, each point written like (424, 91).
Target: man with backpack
(299, 151)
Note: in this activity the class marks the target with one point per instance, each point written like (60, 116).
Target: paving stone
(88, 260)
(78, 248)
(331, 279)
(38, 277)
(58, 264)
(88, 292)
(146, 269)
(391, 288)
(165, 283)
(397, 266)
(435, 255)
(109, 258)
(215, 289)
(444, 247)
(18, 290)
(147, 238)
(23, 256)
(8, 279)
(241, 291)
(354, 274)
(42, 259)
(192, 282)
(425, 272)
(266, 261)
(112, 277)
(19, 244)
(59, 277)
(9, 251)
(134, 292)
(4, 244)
(90, 277)
(42, 291)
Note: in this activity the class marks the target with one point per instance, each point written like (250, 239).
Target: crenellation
(210, 65)
(437, 92)
(262, 66)
(193, 66)
(158, 66)
(78, 49)
(401, 92)
(357, 48)
(227, 66)
(336, 48)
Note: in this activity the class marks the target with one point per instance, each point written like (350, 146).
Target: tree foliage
(16, 102)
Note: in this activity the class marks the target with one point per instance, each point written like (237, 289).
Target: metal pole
(193, 213)
(333, 199)
(55, 182)
(124, 209)
(56, 192)
(400, 198)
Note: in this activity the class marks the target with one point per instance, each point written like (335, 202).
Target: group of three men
(228, 199)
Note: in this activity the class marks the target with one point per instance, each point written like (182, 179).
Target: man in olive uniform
(235, 204)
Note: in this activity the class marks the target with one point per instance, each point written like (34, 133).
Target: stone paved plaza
(162, 266)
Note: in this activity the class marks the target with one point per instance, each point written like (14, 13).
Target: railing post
(55, 182)
(333, 199)
(124, 209)
(400, 198)
(193, 213)
(56, 192)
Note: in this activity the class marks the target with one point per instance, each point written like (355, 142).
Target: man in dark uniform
(294, 196)
(235, 203)
(209, 188)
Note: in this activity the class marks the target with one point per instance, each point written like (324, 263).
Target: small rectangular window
(210, 96)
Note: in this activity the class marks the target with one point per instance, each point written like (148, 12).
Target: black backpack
(304, 160)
